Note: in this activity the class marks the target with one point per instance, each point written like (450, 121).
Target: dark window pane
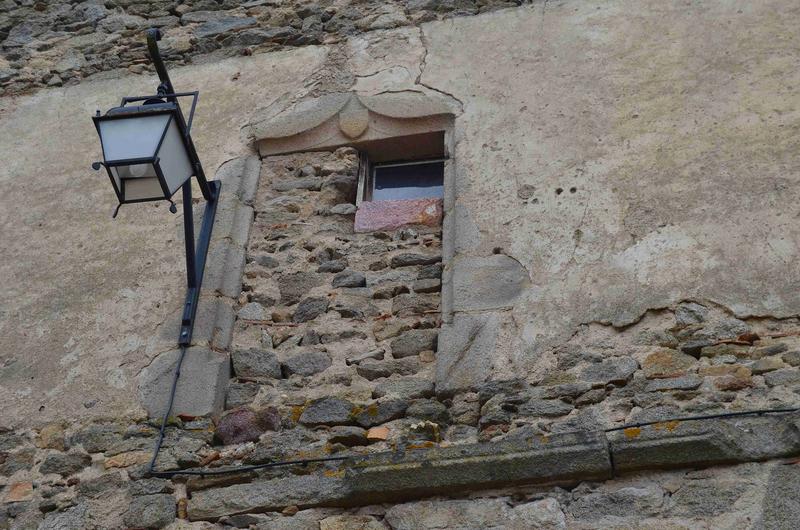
(409, 181)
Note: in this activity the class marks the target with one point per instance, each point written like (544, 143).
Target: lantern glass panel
(138, 182)
(132, 137)
(173, 160)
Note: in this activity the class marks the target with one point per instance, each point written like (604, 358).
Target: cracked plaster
(632, 159)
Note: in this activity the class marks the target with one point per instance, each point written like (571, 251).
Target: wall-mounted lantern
(148, 154)
(144, 151)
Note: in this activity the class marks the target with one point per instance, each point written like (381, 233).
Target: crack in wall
(423, 65)
(578, 235)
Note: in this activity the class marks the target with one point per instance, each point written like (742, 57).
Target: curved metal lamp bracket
(195, 259)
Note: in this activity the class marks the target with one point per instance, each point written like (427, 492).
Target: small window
(406, 180)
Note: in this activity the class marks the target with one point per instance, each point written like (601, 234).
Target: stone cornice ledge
(344, 118)
(558, 459)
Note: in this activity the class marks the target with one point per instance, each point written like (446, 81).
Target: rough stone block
(687, 382)
(381, 412)
(414, 341)
(781, 507)
(410, 259)
(371, 370)
(223, 25)
(303, 491)
(623, 502)
(328, 411)
(667, 363)
(65, 463)
(295, 286)
(476, 513)
(673, 444)
(404, 388)
(309, 309)
(414, 304)
(464, 359)
(256, 362)
(308, 363)
(151, 511)
(490, 282)
(704, 498)
(201, 387)
(617, 370)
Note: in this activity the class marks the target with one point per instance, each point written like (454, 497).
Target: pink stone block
(389, 215)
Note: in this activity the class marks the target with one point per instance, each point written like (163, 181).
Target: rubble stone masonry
(55, 43)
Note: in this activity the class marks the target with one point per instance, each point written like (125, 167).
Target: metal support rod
(195, 254)
(153, 36)
(196, 259)
(188, 235)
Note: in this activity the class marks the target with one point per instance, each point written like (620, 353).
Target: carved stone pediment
(347, 118)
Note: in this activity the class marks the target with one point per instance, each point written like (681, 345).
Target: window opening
(420, 179)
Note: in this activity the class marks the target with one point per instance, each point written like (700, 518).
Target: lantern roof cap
(141, 109)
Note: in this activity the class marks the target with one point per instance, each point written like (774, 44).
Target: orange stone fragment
(377, 434)
(19, 491)
(128, 459)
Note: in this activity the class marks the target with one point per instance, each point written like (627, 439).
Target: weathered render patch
(631, 195)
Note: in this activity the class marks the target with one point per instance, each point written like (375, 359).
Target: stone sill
(373, 216)
(565, 458)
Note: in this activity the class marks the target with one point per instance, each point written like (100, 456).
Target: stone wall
(634, 262)
(94, 477)
(333, 353)
(337, 331)
(61, 42)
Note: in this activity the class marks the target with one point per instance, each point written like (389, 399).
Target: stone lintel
(395, 476)
(347, 118)
(558, 459)
(561, 458)
(673, 444)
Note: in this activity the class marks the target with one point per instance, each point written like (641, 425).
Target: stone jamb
(206, 367)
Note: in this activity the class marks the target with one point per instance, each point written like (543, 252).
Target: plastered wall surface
(672, 147)
(88, 301)
(625, 156)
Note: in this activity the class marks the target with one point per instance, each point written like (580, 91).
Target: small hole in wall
(573, 189)
(497, 250)
(559, 191)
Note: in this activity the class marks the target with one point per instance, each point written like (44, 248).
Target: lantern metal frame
(165, 101)
(154, 109)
